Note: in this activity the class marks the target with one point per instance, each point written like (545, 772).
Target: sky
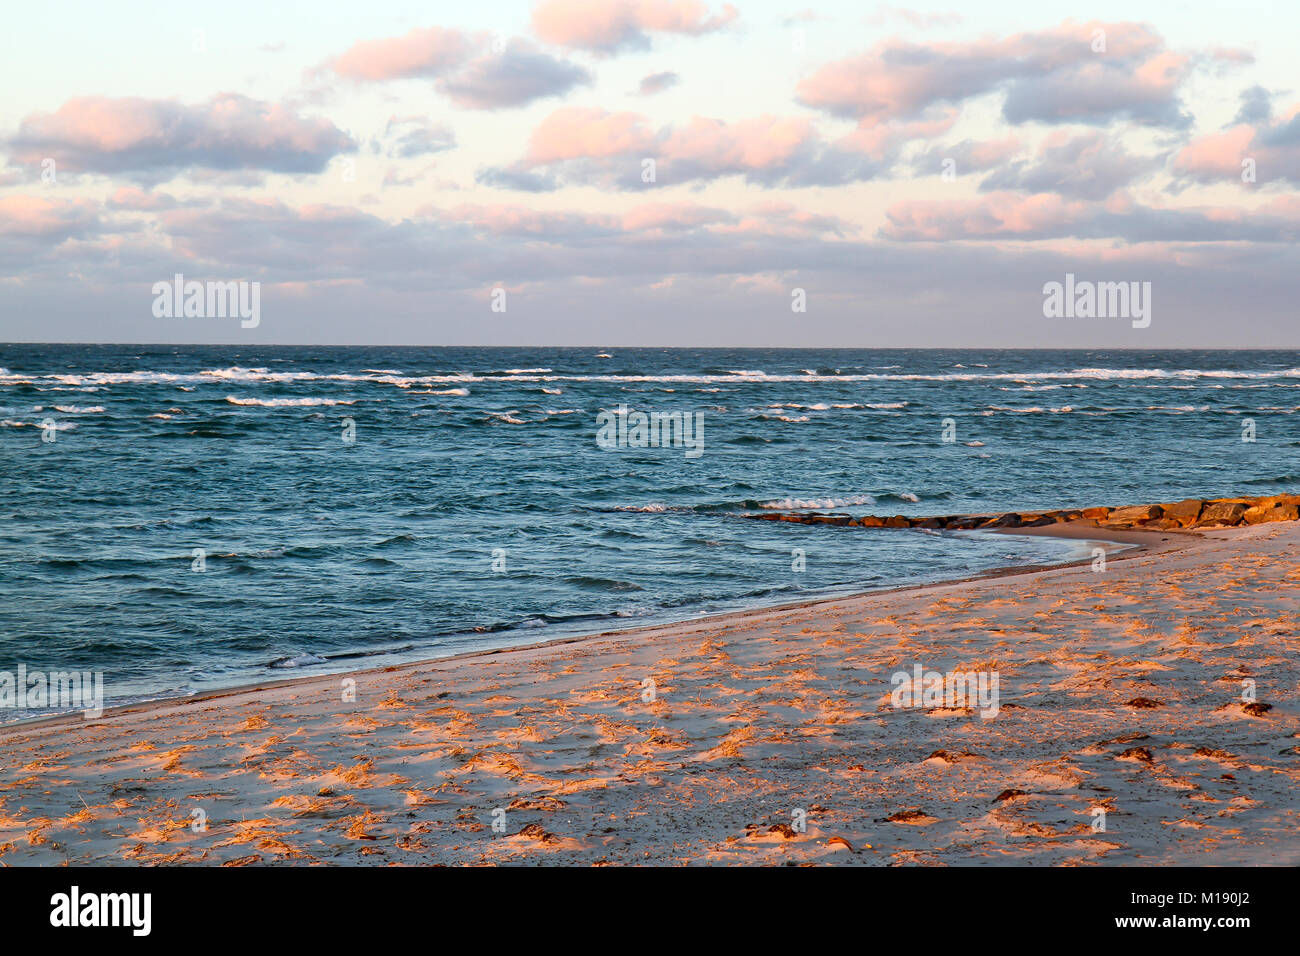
(651, 172)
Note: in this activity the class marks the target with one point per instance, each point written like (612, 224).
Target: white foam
(288, 402)
(785, 504)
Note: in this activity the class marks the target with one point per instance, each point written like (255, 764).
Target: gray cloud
(516, 76)
(1088, 166)
(657, 83)
(153, 140)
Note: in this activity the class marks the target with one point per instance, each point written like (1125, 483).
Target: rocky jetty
(1189, 514)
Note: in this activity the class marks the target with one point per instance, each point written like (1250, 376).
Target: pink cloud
(999, 215)
(759, 143)
(1273, 145)
(422, 52)
(608, 25)
(475, 71)
(1048, 75)
(573, 132)
(46, 219)
(156, 138)
(596, 147)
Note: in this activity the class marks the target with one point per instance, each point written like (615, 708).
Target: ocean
(183, 518)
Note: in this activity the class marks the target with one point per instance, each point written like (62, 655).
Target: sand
(771, 738)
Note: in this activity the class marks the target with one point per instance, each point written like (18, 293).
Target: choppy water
(323, 554)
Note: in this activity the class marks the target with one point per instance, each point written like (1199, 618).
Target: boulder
(1008, 520)
(1185, 512)
(897, 521)
(1222, 512)
(1037, 522)
(1135, 513)
(964, 522)
(1096, 514)
(1162, 524)
(869, 521)
(934, 523)
(1282, 512)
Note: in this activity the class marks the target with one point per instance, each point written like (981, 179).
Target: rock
(1284, 512)
(1185, 512)
(829, 519)
(869, 521)
(1144, 703)
(1262, 515)
(1138, 513)
(1008, 520)
(1096, 514)
(1135, 513)
(1066, 515)
(938, 523)
(897, 521)
(1163, 524)
(964, 522)
(1010, 794)
(1038, 522)
(1225, 512)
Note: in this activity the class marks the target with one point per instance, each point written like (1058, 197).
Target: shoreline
(1132, 544)
(768, 736)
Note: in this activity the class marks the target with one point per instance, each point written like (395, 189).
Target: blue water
(326, 555)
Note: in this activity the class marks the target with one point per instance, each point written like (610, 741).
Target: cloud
(1088, 166)
(657, 83)
(968, 156)
(591, 146)
(134, 199)
(1256, 105)
(477, 71)
(408, 136)
(913, 18)
(1016, 216)
(1272, 147)
(517, 75)
(49, 220)
(607, 26)
(431, 51)
(155, 139)
(1049, 76)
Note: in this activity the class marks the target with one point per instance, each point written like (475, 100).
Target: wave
(57, 426)
(288, 402)
(240, 374)
(795, 504)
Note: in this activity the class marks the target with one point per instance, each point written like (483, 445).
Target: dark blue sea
(474, 508)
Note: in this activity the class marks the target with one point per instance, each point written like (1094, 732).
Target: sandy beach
(766, 737)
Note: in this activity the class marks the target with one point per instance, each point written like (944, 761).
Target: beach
(1146, 714)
